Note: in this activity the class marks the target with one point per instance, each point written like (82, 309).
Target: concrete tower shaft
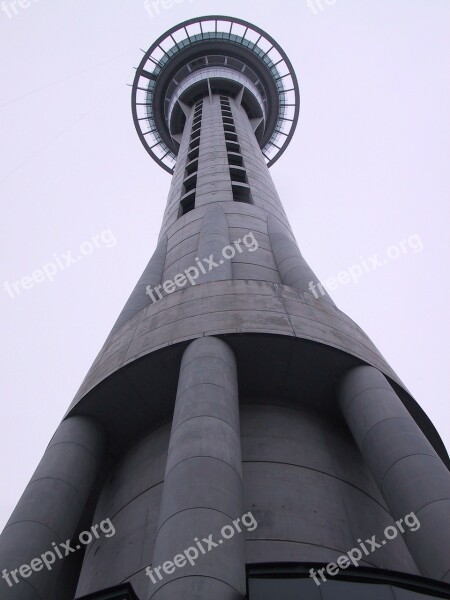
(227, 387)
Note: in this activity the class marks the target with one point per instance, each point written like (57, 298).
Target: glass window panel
(347, 590)
(282, 589)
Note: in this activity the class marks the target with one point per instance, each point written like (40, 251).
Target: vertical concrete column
(203, 489)
(49, 511)
(145, 292)
(409, 473)
(214, 237)
(292, 267)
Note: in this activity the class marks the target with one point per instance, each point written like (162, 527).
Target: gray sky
(370, 154)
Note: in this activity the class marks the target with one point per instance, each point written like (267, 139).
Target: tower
(237, 433)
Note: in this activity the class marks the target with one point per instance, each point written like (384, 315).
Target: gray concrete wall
(310, 491)
(234, 306)
(300, 470)
(131, 498)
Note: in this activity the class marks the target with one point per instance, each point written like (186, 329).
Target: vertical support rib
(151, 277)
(203, 481)
(292, 267)
(214, 237)
(50, 510)
(409, 473)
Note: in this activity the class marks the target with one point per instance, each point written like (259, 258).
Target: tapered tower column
(203, 483)
(215, 102)
(409, 473)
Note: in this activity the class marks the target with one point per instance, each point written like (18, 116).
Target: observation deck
(214, 54)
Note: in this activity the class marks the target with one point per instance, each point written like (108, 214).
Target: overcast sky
(370, 157)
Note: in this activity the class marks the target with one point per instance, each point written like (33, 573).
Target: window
(233, 147)
(187, 203)
(191, 167)
(192, 154)
(241, 192)
(190, 182)
(198, 62)
(231, 137)
(282, 589)
(235, 159)
(194, 143)
(238, 174)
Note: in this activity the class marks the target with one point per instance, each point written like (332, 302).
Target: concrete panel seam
(429, 503)
(125, 348)
(402, 458)
(155, 485)
(221, 387)
(372, 351)
(57, 535)
(184, 510)
(408, 419)
(277, 462)
(96, 458)
(204, 456)
(242, 262)
(193, 300)
(209, 417)
(211, 312)
(83, 500)
(207, 458)
(197, 577)
(185, 364)
(377, 387)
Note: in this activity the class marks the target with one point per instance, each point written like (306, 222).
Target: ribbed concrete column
(152, 276)
(411, 476)
(203, 480)
(214, 237)
(293, 268)
(50, 510)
